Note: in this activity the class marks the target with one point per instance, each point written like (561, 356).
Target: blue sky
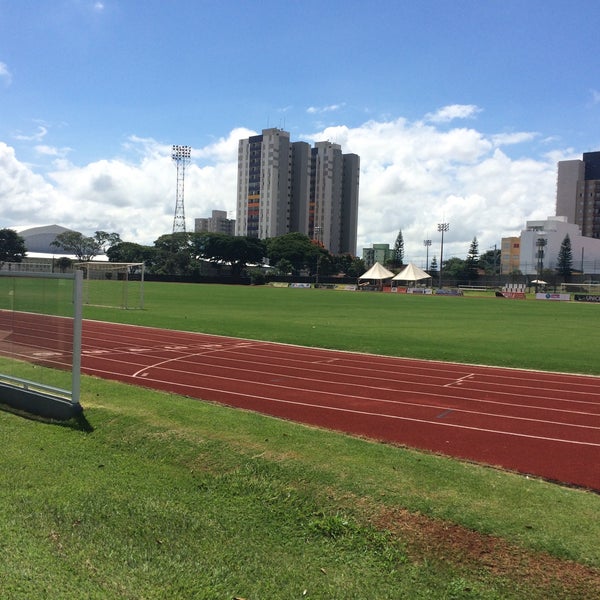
(458, 109)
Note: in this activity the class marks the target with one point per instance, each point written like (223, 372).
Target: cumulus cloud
(222, 149)
(453, 111)
(413, 176)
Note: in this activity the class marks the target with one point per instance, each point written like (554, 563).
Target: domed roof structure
(38, 239)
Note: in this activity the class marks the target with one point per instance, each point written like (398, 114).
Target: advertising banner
(549, 296)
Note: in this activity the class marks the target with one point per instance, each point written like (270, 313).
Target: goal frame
(100, 270)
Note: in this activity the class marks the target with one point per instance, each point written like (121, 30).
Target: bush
(257, 277)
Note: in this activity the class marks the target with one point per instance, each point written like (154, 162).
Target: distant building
(39, 239)
(578, 193)
(381, 253)
(217, 223)
(585, 250)
(510, 255)
(286, 186)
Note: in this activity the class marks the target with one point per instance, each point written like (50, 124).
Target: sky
(459, 110)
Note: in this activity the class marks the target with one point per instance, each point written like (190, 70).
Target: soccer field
(555, 336)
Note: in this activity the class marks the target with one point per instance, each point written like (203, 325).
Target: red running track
(537, 423)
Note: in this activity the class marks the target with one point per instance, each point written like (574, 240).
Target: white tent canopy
(411, 273)
(377, 271)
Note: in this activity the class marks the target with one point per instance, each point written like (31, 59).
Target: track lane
(545, 424)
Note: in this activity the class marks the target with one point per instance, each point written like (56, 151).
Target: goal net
(113, 285)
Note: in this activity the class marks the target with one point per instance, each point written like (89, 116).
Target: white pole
(77, 327)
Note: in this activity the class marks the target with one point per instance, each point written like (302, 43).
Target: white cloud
(98, 6)
(45, 150)
(224, 148)
(5, 74)
(453, 111)
(595, 96)
(313, 110)
(38, 136)
(517, 137)
(413, 176)
(24, 195)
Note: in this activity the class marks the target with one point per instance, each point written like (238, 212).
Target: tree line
(460, 270)
(192, 254)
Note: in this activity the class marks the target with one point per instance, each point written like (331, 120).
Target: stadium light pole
(442, 227)
(427, 243)
(541, 244)
(181, 156)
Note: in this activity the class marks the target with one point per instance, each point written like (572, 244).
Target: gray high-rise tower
(578, 193)
(288, 186)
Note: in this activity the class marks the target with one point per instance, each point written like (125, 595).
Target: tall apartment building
(286, 186)
(216, 223)
(578, 193)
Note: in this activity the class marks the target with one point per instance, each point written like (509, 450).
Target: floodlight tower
(181, 156)
(442, 227)
(427, 243)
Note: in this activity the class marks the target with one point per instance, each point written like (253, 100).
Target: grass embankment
(166, 497)
(531, 334)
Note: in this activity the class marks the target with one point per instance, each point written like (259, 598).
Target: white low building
(585, 250)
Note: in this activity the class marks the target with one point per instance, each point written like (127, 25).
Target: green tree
(325, 264)
(433, 267)
(257, 276)
(12, 246)
(129, 252)
(357, 267)
(490, 262)
(107, 240)
(284, 267)
(84, 248)
(236, 251)
(63, 263)
(348, 265)
(456, 268)
(565, 259)
(173, 255)
(397, 259)
(472, 262)
(297, 248)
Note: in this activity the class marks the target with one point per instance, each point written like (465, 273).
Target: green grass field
(160, 496)
(532, 334)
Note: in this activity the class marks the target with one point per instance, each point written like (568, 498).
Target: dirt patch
(428, 538)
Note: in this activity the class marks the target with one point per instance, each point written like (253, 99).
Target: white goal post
(111, 284)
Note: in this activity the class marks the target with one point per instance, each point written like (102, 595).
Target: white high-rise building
(286, 186)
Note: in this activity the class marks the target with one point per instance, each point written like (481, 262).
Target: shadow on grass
(78, 422)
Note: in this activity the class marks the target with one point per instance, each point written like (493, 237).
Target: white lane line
(144, 373)
(388, 401)
(386, 416)
(460, 380)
